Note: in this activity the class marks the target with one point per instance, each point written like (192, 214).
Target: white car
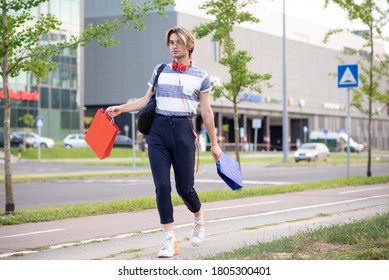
(34, 140)
(312, 152)
(75, 141)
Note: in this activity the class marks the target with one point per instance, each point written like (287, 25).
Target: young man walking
(181, 88)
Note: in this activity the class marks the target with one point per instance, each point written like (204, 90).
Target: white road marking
(32, 233)
(361, 190)
(296, 209)
(145, 181)
(242, 205)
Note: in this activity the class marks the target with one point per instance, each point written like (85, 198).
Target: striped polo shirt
(178, 93)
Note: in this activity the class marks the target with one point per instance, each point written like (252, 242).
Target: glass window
(75, 12)
(45, 37)
(75, 120)
(55, 76)
(55, 8)
(65, 99)
(44, 97)
(65, 11)
(73, 80)
(20, 119)
(65, 76)
(44, 8)
(55, 98)
(65, 120)
(73, 52)
(73, 99)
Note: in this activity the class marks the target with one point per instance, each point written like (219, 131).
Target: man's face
(177, 48)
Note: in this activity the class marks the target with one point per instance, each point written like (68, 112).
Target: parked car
(312, 152)
(15, 141)
(34, 140)
(335, 141)
(75, 141)
(123, 141)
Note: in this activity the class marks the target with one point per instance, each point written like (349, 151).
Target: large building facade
(59, 99)
(315, 103)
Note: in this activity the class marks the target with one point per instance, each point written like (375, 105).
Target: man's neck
(184, 60)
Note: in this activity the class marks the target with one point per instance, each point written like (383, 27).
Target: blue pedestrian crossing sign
(39, 121)
(348, 76)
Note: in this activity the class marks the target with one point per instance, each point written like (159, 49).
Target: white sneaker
(197, 233)
(169, 248)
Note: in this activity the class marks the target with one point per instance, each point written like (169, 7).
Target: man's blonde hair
(185, 36)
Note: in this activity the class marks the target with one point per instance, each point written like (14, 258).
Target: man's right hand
(113, 111)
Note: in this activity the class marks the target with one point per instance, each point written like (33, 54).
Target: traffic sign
(348, 76)
(39, 121)
(257, 123)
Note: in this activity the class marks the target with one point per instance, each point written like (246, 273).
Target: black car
(123, 141)
(15, 141)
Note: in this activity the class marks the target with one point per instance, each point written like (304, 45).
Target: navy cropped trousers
(172, 144)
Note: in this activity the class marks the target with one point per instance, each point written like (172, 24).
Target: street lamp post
(302, 131)
(284, 101)
(133, 139)
(133, 133)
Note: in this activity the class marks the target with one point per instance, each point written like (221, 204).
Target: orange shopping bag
(101, 134)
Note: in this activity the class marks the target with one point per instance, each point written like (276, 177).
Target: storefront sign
(250, 97)
(21, 95)
(334, 106)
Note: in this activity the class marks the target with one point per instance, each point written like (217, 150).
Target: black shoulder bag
(146, 116)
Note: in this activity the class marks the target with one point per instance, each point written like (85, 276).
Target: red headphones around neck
(180, 67)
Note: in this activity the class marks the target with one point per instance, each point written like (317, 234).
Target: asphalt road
(57, 192)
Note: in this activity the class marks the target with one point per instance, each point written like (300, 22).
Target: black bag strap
(157, 76)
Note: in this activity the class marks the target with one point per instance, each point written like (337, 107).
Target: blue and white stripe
(178, 93)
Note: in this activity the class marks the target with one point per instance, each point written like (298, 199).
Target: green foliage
(28, 53)
(28, 120)
(22, 48)
(373, 66)
(227, 14)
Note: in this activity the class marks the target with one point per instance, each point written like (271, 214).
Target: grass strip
(81, 175)
(366, 239)
(137, 204)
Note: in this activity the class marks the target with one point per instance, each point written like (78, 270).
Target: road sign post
(39, 125)
(257, 123)
(348, 78)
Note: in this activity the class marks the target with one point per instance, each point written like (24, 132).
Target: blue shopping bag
(228, 169)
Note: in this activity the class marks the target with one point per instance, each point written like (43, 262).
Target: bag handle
(105, 114)
(157, 76)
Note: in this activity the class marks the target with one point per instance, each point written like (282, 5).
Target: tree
(227, 14)
(21, 49)
(28, 120)
(374, 66)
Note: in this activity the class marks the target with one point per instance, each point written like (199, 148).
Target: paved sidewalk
(230, 225)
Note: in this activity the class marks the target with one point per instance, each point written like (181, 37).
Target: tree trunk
(236, 129)
(10, 205)
(370, 96)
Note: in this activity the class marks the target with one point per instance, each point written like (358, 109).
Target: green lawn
(88, 209)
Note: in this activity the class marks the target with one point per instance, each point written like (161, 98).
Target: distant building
(59, 99)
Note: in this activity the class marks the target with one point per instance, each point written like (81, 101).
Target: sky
(332, 16)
